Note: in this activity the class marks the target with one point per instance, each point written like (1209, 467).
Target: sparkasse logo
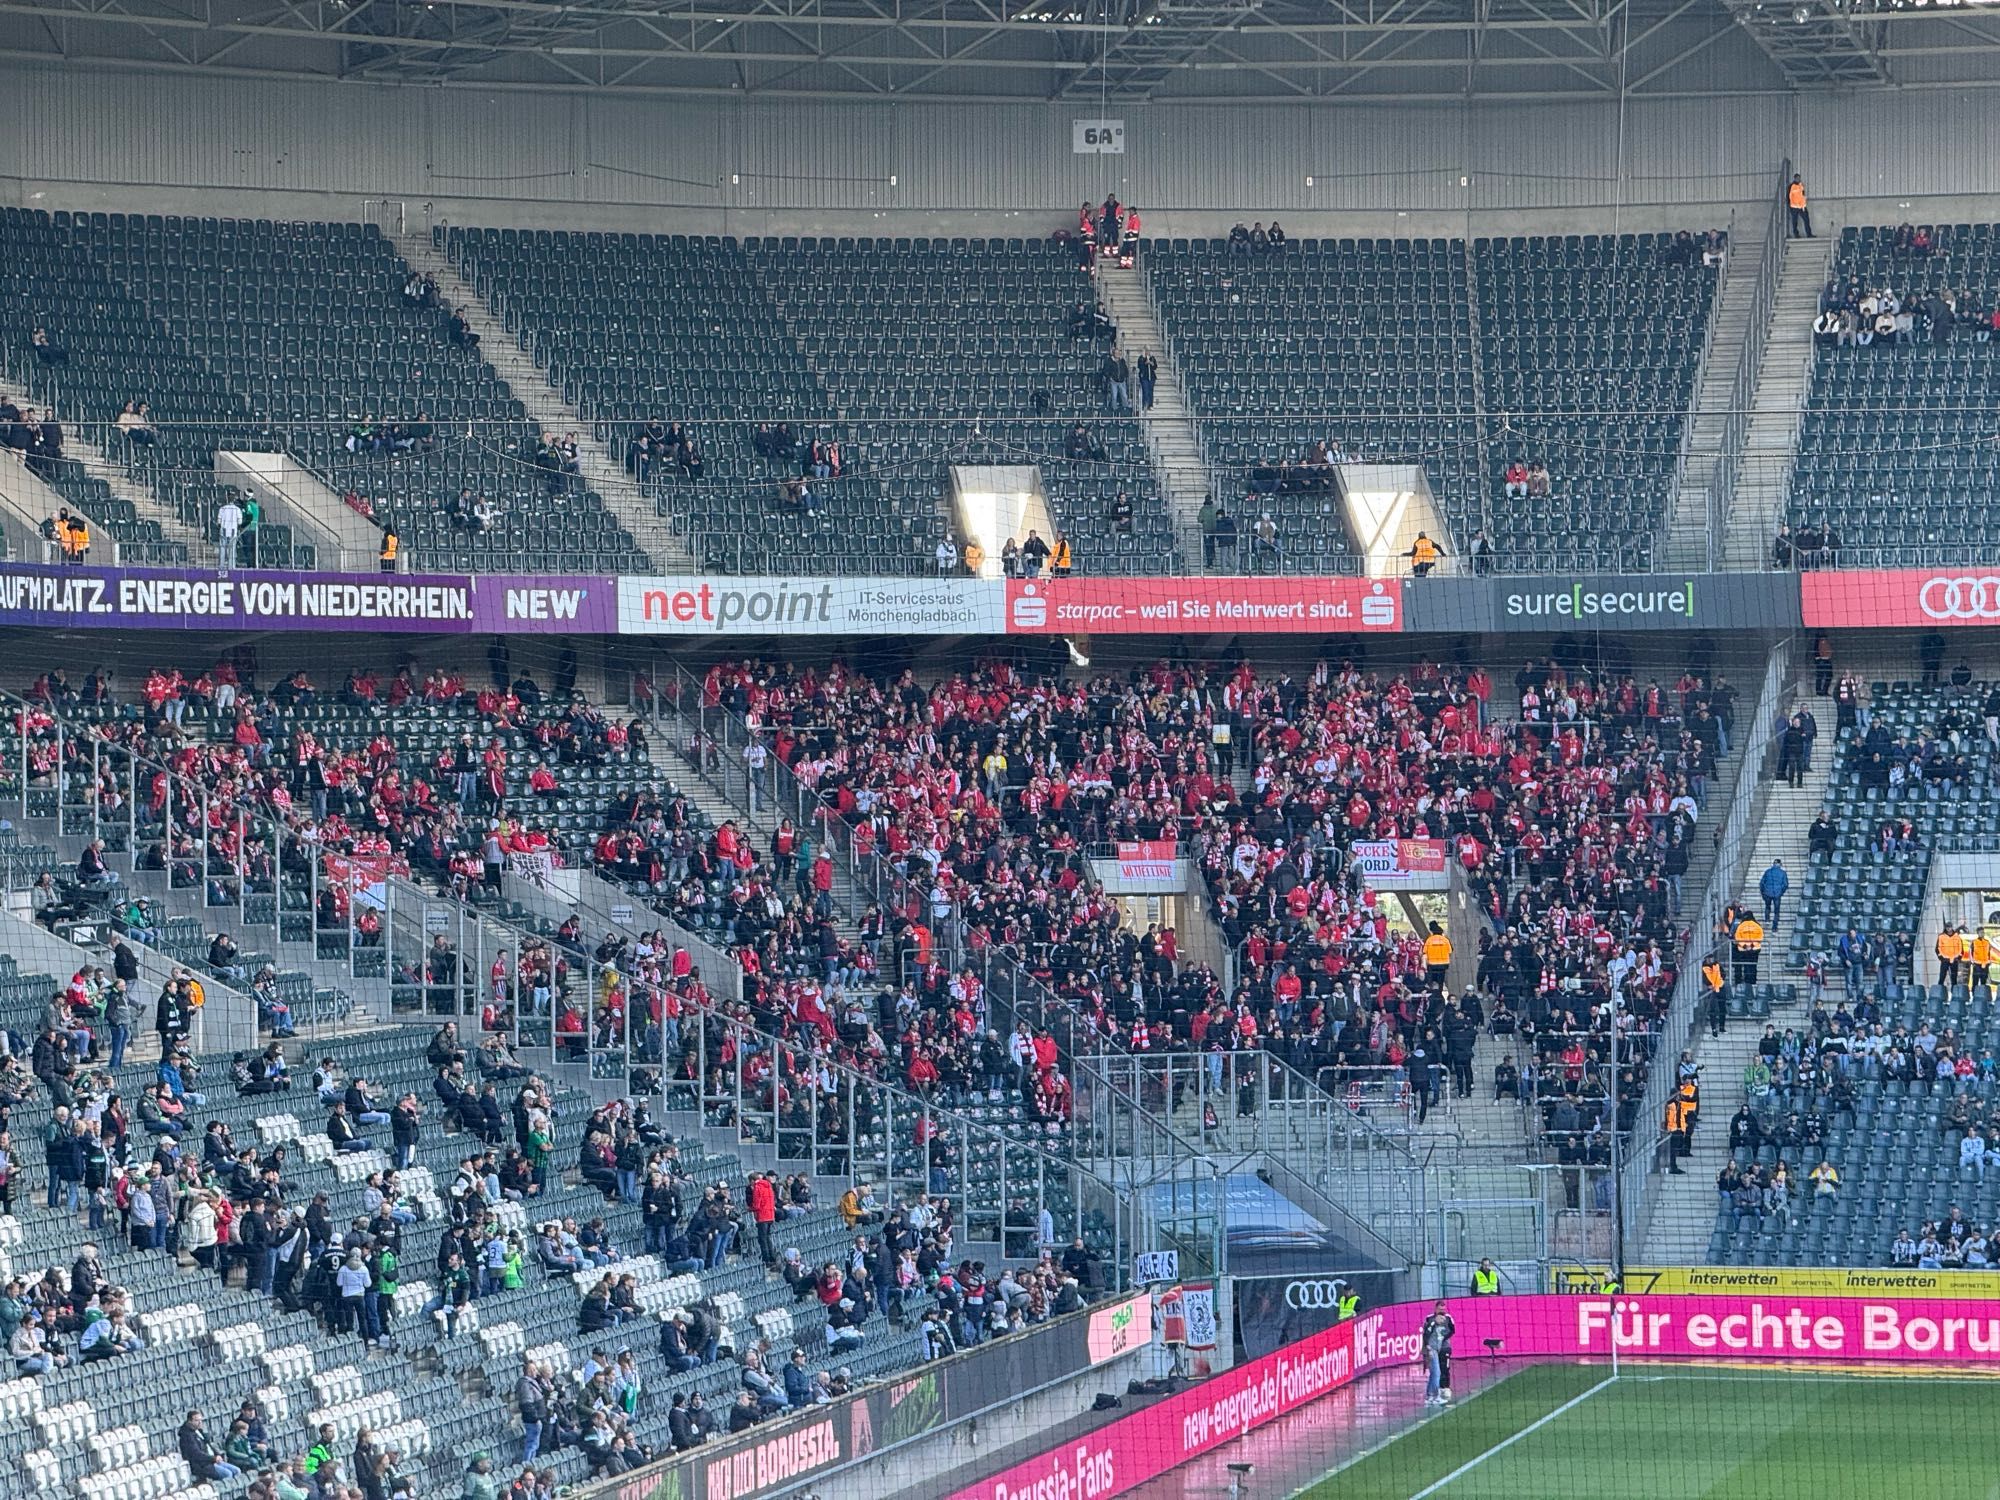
(1031, 610)
(1378, 606)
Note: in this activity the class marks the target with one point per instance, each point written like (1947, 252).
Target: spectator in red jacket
(763, 1197)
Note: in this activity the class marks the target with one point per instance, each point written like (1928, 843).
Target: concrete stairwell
(1684, 1214)
(1783, 381)
(135, 492)
(547, 408)
(1174, 446)
(1687, 526)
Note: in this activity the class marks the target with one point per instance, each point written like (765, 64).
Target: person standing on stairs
(1791, 752)
(1822, 664)
(1713, 986)
(1748, 937)
(1772, 888)
(1149, 375)
(1118, 380)
(1798, 212)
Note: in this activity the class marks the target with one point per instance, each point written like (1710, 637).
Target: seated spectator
(135, 422)
(760, 1387)
(198, 1451)
(48, 352)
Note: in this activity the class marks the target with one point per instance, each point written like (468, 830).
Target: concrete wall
(100, 139)
(915, 1468)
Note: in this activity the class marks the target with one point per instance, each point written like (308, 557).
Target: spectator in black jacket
(684, 1425)
(199, 1453)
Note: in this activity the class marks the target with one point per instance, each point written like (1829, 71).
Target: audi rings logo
(1304, 1295)
(1961, 598)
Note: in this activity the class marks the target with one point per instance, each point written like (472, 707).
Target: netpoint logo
(1582, 602)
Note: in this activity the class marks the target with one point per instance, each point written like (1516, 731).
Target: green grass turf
(1687, 1435)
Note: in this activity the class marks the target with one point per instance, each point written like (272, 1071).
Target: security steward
(1715, 987)
(1424, 555)
(1982, 959)
(1679, 1125)
(1485, 1279)
(1749, 940)
(1437, 956)
(1951, 952)
(391, 545)
(1346, 1304)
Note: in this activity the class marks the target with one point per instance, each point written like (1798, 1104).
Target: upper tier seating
(1583, 355)
(903, 353)
(251, 332)
(1896, 451)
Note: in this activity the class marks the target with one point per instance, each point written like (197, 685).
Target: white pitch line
(1507, 1442)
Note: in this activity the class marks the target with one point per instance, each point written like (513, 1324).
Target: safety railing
(1150, 1112)
(1738, 837)
(215, 852)
(1743, 389)
(1014, 1183)
(1686, 452)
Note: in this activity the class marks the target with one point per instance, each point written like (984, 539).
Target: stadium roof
(1196, 51)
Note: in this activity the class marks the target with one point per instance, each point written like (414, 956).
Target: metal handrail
(1636, 1175)
(1686, 449)
(1743, 389)
(727, 1091)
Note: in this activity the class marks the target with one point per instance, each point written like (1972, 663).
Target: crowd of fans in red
(981, 792)
(978, 796)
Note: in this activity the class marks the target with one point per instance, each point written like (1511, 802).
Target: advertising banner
(694, 605)
(1834, 1331)
(191, 599)
(67, 598)
(518, 605)
(1928, 598)
(1222, 606)
(1633, 602)
(1134, 1449)
(780, 1453)
(1402, 864)
(1784, 1281)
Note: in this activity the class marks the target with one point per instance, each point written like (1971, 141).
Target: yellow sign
(1778, 1281)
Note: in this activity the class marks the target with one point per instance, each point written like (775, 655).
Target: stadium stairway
(1687, 521)
(79, 448)
(1172, 441)
(1683, 1216)
(546, 406)
(1684, 1213)
(723, 797)
(1778, 407)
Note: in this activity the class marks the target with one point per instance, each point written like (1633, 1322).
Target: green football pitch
(1568, 1432)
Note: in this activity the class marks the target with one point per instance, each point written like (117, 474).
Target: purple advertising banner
(193, 599)
(507, 604)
